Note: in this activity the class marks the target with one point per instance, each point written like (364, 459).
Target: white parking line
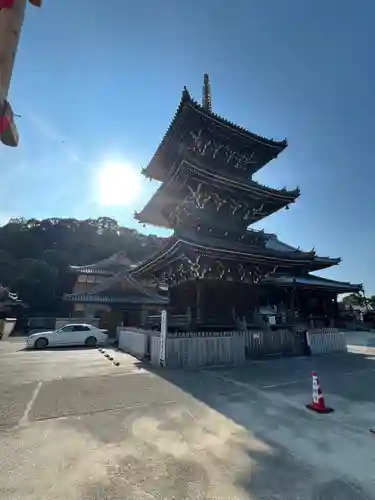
(360, 371)
(253, 385)
(25, 417)
(336, 375)
(281, 384)
(235, 382)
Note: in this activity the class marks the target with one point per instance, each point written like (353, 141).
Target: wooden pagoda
(217, 268)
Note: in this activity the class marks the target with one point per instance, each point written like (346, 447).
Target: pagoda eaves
(184, 248)
(200, 189)
(208, 134)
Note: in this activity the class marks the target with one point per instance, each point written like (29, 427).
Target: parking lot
(74, 426)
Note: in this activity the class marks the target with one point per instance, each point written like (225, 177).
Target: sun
(119, 184)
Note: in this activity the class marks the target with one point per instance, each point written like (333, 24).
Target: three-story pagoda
(218, 269)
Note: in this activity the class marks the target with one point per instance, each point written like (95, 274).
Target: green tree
(354, 299)
(35, 254)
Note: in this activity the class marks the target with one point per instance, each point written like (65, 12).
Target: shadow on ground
(303, 455)
(236, 433)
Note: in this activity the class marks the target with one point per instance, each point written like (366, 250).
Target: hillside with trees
(35, 254)
(356, 299)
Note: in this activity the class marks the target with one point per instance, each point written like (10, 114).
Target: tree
(356, 299)
(35, 254)
(353, 299)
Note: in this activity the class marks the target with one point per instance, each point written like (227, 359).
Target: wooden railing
(174, 321)
(189, 321)
(225, 321)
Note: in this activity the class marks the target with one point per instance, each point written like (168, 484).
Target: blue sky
(96, 84)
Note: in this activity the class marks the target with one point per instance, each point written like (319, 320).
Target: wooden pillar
(189, 317)
(333, 310)
(292, 298)
(255, 296)
(199, 299)
(292, 303)
(143, 316)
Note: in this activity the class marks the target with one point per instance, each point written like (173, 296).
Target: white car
(69, 335)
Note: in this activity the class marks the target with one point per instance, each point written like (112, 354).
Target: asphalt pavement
(74, 426)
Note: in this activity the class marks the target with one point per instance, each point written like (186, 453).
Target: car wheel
(91, 341)
(41, 343)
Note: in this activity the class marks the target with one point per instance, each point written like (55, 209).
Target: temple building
(219, 272)
(107, 291)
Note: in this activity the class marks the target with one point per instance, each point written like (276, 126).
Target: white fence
(155, 350)
(195, 349)
(325, 340)
(135, 343)
(203, 351)
(7, 326)
(261, 343)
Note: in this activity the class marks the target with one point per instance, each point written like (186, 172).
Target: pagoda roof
(156, 169)
(133, 292)
(116, 298)
(180, 244)
(320, 262)
(316, 282)
(105, 267)
(276, 198)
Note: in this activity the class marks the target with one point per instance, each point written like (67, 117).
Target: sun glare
(118, 184)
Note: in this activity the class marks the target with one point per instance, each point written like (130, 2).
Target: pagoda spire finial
(206, 99)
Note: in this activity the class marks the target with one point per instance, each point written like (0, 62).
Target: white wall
(326, 341)
(6, 327)
(134, 343)
(205, 351)
(155, 350)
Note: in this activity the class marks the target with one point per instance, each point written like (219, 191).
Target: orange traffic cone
(318, 404)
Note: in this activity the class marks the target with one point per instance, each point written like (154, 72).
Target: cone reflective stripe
(318, 404)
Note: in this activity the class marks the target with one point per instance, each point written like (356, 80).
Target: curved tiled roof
(244, 248)
(136, 291)
(315, 282)
(284, 252)
(187, 100)
(113, 298)
(275, 198)
(105, 266)
(186, 97)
